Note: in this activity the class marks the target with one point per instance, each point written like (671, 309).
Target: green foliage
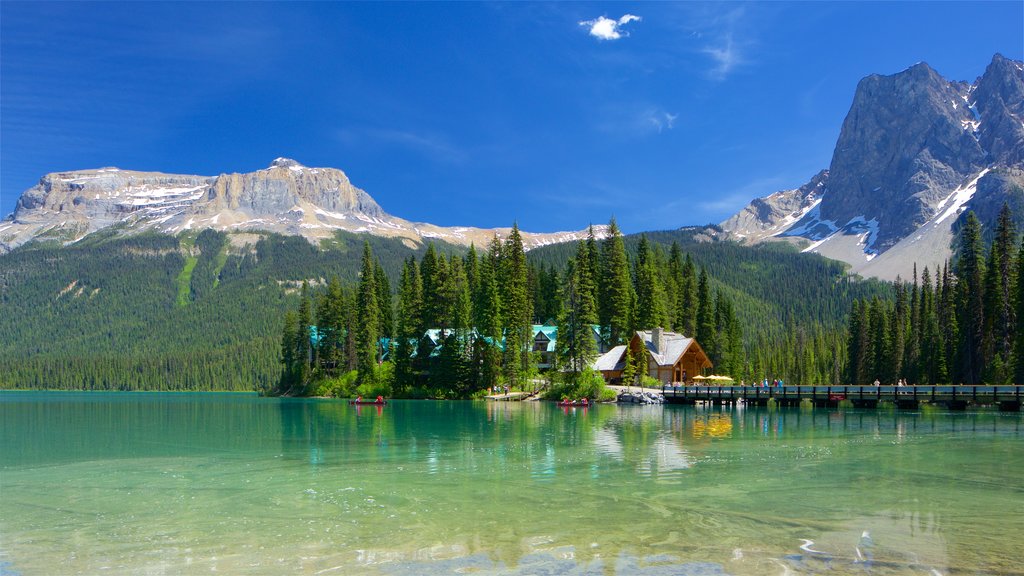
(380, 383)
(343, 386)
(649, 382)
(586, 384)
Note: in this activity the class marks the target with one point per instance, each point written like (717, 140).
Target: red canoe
(367, 402)
(564, 403)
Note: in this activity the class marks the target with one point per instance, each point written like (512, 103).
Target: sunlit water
(235, 484)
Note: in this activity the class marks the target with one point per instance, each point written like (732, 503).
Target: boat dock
(954, 397)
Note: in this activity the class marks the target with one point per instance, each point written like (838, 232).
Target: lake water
(235, 484)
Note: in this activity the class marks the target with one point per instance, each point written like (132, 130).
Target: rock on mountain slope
(285, 197)
(915, 152)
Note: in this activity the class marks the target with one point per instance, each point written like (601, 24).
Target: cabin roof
(611, 360)
(675, 345)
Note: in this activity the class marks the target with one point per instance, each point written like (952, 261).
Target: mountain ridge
(285, 197)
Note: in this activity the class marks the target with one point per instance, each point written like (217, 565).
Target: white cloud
(726, 56)
(662, 120)
(607, 29)
(633, 119)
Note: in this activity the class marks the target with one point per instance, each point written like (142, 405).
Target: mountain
(286, 198)
(915, 152)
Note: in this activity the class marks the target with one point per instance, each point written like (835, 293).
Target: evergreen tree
(575, 347)
(386, 326)
(369, 318)
(629, 368)
(615, 288)
(409, 327)
(303, 352)
(593, 264)
(1000, 313)
(900, 323)
(912, 356)
(288, 337)
(1018, 343)
(431, 300)
(971, 298)
(705, 328)
(688, 301)
(516, 309)
(674, 288)
(650, 312)
(487, 319)
(330, 325)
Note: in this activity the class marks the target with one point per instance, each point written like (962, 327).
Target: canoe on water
(566, 403)
(368, 402)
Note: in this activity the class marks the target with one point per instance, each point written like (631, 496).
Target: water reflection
(502, 488)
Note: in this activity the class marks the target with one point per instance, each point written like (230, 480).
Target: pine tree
(575, 347)
(912, 363)
(487, 319)
(688, 301)
(516, 309)
(900, 322)
(1000, 313)
(970, 273)
(650, 312)
(369, 318)
(409, 326)
(615, 288)
(288, 336)
(705, 311)
(1018, 342)
(674, 288)
(593, 264)
(303, 351)
(386, 325)
(428, 275)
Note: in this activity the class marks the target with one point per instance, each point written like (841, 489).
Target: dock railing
(1005, 395)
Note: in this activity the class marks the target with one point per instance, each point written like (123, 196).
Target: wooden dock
(954, 397)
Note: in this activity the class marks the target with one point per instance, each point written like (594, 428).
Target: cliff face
(285, 197)
(915, 152)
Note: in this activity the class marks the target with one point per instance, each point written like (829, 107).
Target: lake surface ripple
(142, 483)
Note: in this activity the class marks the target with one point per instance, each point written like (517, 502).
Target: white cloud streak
(725, 55)
(604, 28)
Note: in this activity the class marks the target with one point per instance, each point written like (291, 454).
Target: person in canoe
(380, 399)
(359, 399)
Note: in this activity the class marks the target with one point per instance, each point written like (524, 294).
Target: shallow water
(229, 483)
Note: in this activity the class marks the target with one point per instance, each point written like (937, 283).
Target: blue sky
(552, 115)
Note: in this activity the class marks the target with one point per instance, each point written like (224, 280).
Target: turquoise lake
(109, 483)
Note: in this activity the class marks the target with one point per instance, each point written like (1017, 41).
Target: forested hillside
(158, 312)
(194, 313)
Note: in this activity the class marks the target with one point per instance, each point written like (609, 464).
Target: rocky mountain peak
(914, 153)
(282, 162)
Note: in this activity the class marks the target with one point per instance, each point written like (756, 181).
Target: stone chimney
(658, 339)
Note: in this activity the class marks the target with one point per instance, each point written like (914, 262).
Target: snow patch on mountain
(955, 201)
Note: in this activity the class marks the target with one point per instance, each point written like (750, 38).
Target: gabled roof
(674, 346)
(611, 360)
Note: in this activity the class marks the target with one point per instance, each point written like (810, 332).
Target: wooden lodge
(671, 357)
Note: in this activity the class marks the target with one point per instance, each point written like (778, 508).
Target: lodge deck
(955, 397)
